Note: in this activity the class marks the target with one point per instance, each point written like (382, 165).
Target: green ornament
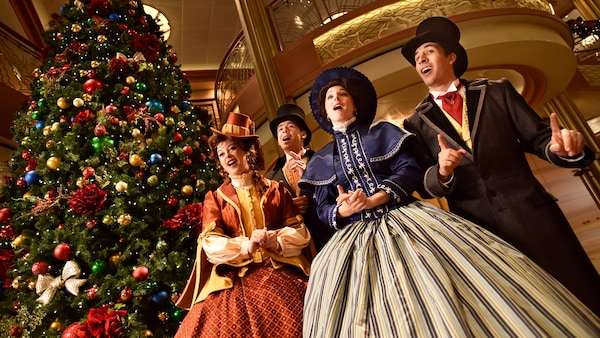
(96, 140)
(160, 186)
(41, 102)
(178, 314)
(140, 87)
(36, 115)
(97, 147)
(99, 267)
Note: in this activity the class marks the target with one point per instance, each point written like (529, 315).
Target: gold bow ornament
(47, 285)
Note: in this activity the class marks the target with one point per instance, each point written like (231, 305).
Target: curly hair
(254, 155)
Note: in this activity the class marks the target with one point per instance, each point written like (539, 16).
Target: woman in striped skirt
(398, 267)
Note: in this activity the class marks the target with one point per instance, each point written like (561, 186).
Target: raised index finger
(442, 142)
(554, 123)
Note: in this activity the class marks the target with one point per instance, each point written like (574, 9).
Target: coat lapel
(434, 117)
(475, 94)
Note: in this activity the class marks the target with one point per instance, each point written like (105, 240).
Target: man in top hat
(293, 136)
(474, 139)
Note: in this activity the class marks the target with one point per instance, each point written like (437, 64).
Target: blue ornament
(40, 124)
(156, 159)
(155, 106)
(114, 17)
(160, 298)
(186, 105)
(31, 177)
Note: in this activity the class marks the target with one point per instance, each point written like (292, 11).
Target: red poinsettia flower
(88, 200)
(6, 257)
(188, 216)
(104, 323)
(119, 67)
(148, 44)
(99, 7)
(82, 117)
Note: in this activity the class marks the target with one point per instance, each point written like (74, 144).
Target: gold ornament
(136, 160)
(16, 283)
(108, 220)
(55, 126)
(174, 109)
(53, 163)
(187, 190)
(47, 285)
(130, 80)
(27, 195)
(136, 133)
(149, 333)
(76, 27)
(121, 186)
(124, 219)
(78, 102)
(56, 325)
(200, 183)
(46, 130)
(101, 38)
(18, 241)
(153, 180)
(114, 260)
(62, 103)
(81, 182)
(95, 64)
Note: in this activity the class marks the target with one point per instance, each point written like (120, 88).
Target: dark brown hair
(353, 91)
(254, 153)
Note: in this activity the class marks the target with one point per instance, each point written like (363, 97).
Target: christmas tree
(100, 217)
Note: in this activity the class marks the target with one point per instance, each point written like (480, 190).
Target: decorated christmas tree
(100, 217)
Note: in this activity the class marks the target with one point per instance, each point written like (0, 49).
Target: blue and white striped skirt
(423, 272)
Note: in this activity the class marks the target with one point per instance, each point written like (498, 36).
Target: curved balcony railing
(367, 22)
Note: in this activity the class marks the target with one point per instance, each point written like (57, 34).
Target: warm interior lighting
(160, 19)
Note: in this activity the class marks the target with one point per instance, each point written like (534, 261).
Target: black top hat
(362, 92)
(291, 112)
(443, 31)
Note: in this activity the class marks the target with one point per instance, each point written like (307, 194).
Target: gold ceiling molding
(17, 61)
(591, 74)
(393, 18)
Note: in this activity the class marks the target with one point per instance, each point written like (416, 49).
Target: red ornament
(91, 85)
(110, 108)
(62, 251)
(73, 330)
(39, 268)
(188, 150)
(91, 223)
(5, 215)
(160, 118)
(125, 295)
(26, 154)
(88, 172)
(100, 130)
(173, 201)
(21, 182)
(204, 138)
(140, 273)
(16, 331)
(16, 305)
(187, 162)
(125, 90)
(92, 292)
(177, 137)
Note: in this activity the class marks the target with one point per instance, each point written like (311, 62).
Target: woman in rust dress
(250, 275)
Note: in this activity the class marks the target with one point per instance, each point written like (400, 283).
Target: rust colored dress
(233, 294)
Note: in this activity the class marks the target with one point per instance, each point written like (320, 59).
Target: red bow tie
(452, 103)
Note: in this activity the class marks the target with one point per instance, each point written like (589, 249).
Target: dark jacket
(320, 232)
(494, 185)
